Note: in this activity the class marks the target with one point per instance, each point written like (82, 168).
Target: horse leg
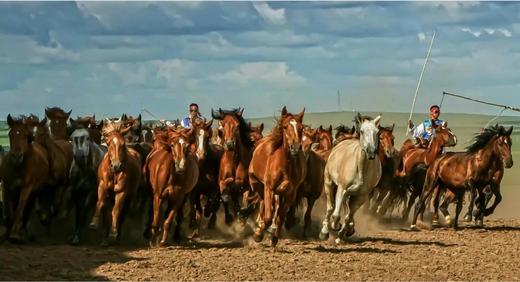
(354, 203)
(458, 209)
(416, 192)
(226, 200)
(179, 207)
(102, 193)
(80, 212)
(8, 209)
(449, 197)
(429, 184)
(167, 224)
(340, 197)
(156, 208)
(307, 218)
(435, 215)
(495, 189)
(21, 215)
(120, 197)
(267, 212)
(481, 206)
(329, 189)
(472, 195)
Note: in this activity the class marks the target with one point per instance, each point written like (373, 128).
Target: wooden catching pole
(482, 102)
(419, 82)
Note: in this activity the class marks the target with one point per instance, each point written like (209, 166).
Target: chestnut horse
(119, 175)
(171, 173)
(256, 132)
(415, 160)
(60, 155)
(470, 170)
(277, 169)
(58, 123)
(238, 149)
(24, 172)
(351, 173)
(312, 186)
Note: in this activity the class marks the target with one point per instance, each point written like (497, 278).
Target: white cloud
(489, 31)
(275, 74)
(421, 36)
(474, 33)
(505, 32)
(269, 14)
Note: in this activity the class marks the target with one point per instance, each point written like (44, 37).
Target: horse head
(324, 138)
(20, 139)
(81, 146)
(444, 135)
(503, 145)
(117, 152)
(179, 143)
(292, 130)
(386, 140)
(58, 121)
(368, 132)
(256, 132)
(202, 134)
(309, 136)
(229, 126)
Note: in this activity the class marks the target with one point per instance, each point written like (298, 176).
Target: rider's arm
(418, 130)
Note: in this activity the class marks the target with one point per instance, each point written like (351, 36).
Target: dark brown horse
(171, 173)
(256, 132)
(58, 122)
(24, 172)
(89, 123)
(344, 133)
(119, 176)
(238, 149)
(60, 155)
(312, 186)
(470, 170)
(277, 169)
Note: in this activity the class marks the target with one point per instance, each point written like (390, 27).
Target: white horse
(83, 175)
(352, 171)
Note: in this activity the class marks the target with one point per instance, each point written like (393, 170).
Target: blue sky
(109, 58)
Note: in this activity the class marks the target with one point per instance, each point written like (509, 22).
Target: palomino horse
(238, 149)
(414, 160)
(208, 159)
(470, 170)
(118, 174)
(83, 175)
(312, 187)
(59, 152)
(24, 171)
(171, 174)
(352, 171)
(277, 170)
(58, 123)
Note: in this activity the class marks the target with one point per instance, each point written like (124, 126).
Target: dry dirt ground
(374, 252)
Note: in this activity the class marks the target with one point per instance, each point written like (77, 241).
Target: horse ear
(71, 120)
(209, 123)
(330, 129)
(320, 128)
(10, 120)
(139, 118)
(261, 127)
(358, 118)
(445, 124)
(68, 114)
(392, 128)
(509, 131)
(299, 117)
(46, 111)
(240, 112)
(284, 111)
(124, 117)
(377, 119)
(94, 118)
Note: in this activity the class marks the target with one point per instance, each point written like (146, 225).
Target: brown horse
(470, 170)
(58, 122)
(415, 160)
(238, 149)
(256, 132)
(208, 159)
(60, 155)
(88, 123)
(118, 174)
(171, 173)
(344, 133)
(312, 186)
(24, 172)
(277, 170)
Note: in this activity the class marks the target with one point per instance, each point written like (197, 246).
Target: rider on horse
(193, 115)
(425, 130)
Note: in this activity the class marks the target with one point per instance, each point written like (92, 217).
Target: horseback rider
(425, 130)
(193, 115)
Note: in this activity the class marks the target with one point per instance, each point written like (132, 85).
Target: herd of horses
(121, 168)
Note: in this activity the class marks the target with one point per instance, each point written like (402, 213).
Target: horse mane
(277, 135)
(112, 126)
(480, 140)
(56, 112)
(243, 127)
(359, 119)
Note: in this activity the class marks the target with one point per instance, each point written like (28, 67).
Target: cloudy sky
(110, 58)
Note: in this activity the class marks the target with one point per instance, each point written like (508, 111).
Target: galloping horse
(24, 171)
(256, 132)
(58, 123)
(120, 174)
(470, 170)
(59, 153)
(238, 149)
(171, 173)
(90, 124)
(312, 186)
(277, 170)
(352, 171)
(415, 159)
(344, 133)
(83, 175)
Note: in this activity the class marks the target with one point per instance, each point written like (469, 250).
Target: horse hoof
(436, 224)
(349, 232)
(274, 241)
(163, 244)
(479, 223)
(93, 226)
(467, 217)
(258, 237)
(112, 237)
(75, 240)
(414, 227)
(324, 236)
(229, 219)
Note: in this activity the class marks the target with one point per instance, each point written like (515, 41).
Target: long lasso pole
(482, 102)
(419, 82)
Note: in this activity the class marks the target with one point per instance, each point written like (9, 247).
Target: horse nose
(509, 164)
(117, 166)
(230, 145)
(295, 148)
(17, 157)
